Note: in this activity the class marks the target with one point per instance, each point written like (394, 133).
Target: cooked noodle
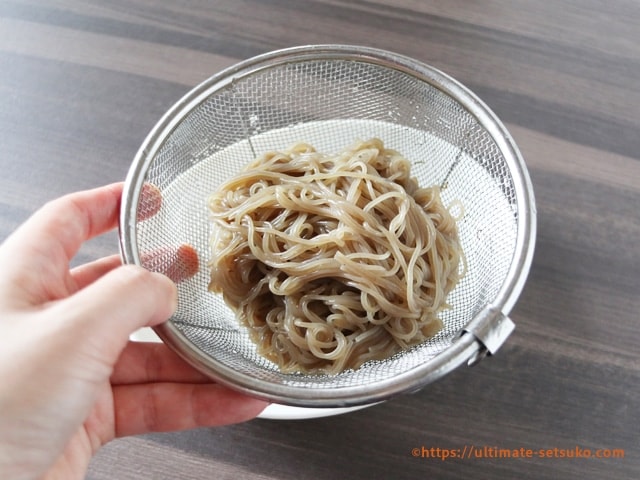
(331, 261)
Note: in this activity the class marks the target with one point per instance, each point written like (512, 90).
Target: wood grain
(82, 83)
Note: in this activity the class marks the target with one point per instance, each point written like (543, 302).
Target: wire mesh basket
(328, 96)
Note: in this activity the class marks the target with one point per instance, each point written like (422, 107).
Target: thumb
(114, 306)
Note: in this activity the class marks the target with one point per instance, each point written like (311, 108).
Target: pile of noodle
(333, 260)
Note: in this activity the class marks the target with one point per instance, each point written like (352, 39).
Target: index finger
(57, 230)
(60, 227)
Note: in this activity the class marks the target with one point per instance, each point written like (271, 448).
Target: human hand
(69, 379)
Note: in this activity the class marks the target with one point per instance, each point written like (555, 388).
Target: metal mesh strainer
(329, 96)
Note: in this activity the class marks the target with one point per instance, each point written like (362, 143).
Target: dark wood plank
(556, 84)
(82, 82)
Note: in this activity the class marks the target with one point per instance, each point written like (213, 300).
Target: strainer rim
(466, 347)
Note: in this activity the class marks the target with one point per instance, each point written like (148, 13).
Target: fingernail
(150, 202)
(178, 263)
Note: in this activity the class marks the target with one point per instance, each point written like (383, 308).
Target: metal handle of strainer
(491, 328)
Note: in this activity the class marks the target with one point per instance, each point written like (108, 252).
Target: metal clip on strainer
(329, 96)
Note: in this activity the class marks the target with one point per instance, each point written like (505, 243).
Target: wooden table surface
(83, 81)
